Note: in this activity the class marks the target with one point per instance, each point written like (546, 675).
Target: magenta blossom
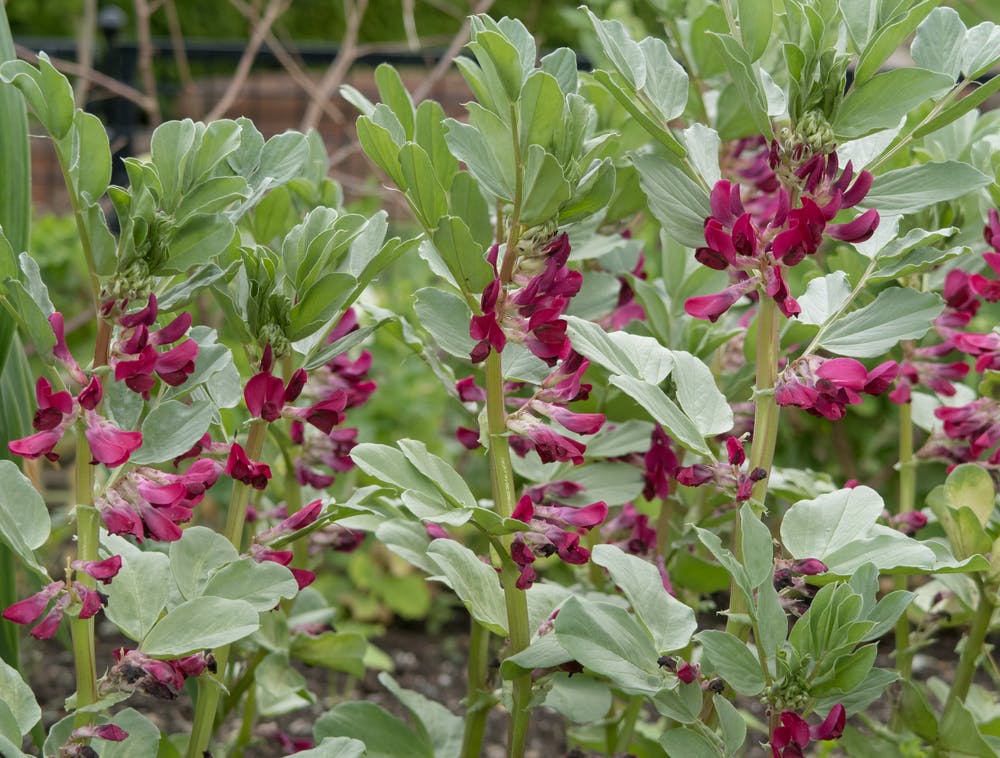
(794, 734)
(722, 475)
(134, 670)
(756, 240)
(135, 358)
(555, 529)
(826, 386)
(148, 503)
(242, 469)
(31, 609)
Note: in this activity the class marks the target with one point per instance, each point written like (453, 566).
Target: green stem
(209, 687)
(242, 684)
(663, 526)
(765, 435)
(973, 645)
(236, 514)
(626, 727)
(82, 630)
(502, 481)
(907, 497)
(246, 727)
(476, 710)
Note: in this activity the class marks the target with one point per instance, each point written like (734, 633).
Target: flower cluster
(529, 418)
(268, 398)
(135, 358)
(58, 411)
(150, 503)
(757, 245)
(260, 552)
(969, 432)
(729, 475)
(327, 452)
(60, 597)
(555, 528)
(531, 312)
(685, 671)
(134, 670)
(791, 738)
(826, 386)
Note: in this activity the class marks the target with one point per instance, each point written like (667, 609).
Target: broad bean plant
(655, 285)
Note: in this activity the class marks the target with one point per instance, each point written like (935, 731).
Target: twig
(85, 50)
(177, 43)
(457, 43)
(113, 86)
(274, 9)
(145, 59)
(285, 58)
(430, 81)
(410, 24)
(334, 75)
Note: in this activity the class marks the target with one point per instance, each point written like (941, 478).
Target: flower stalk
(973, 644)
(82, 630)
(209, 687)
(907, 490)
(476, 711)
(765, 436)
(502, 481)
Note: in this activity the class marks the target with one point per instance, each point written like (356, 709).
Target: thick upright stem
(209, 687)
(476, 711)
(765, 435)
(907, 494)
(973, 645)
(82, 630)
(502, 480)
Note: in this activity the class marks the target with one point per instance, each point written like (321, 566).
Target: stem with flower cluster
(907, 490)
(82, 630)
(209, 687)
(87, 540)
(765, 436)
(502, 480)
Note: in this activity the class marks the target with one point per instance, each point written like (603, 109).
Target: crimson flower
(150, 503)
(134, 670)
(136, 360)
(555, 529)
(31, 609)
(242, 469)
(724, 475)
(756, 240)
(826, 386)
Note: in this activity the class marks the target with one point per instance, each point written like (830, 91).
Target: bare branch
(145, 58)
(457, 43)
(354, 12)
(285, 58)
(85, 50)
(430, 81)
(113, 86)
(177, 43)
(274, 9)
